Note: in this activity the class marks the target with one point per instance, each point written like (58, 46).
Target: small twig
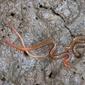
(49, 41)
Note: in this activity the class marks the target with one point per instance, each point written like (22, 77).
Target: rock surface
(37, 20)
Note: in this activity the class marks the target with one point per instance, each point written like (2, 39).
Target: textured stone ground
(36, 20)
